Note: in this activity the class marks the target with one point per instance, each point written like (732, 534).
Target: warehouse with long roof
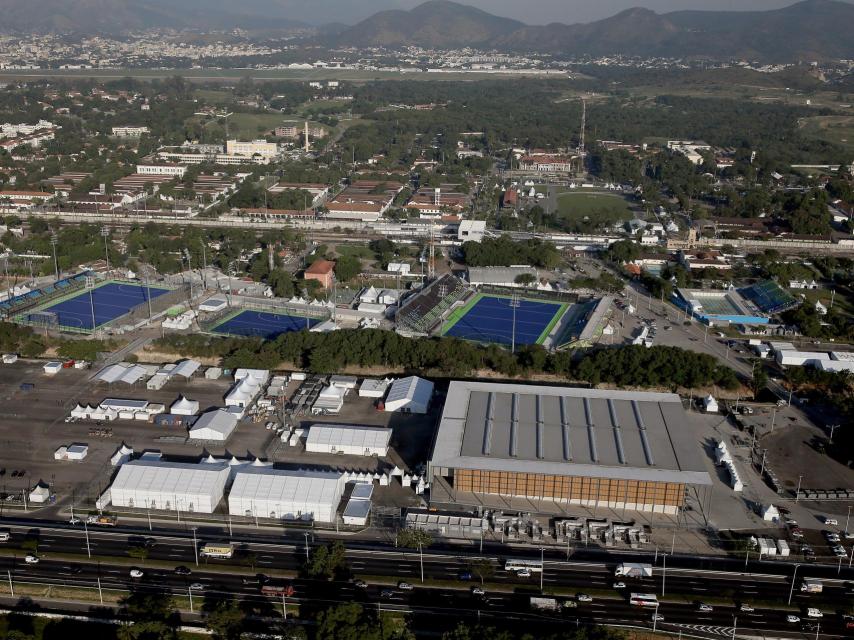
(545, 448)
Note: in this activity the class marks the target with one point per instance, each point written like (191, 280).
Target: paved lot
(33, 426)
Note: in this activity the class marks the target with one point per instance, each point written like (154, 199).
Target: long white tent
(265, 492)
(170, 486)
(347, 439)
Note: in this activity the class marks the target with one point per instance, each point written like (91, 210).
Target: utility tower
(581, 152)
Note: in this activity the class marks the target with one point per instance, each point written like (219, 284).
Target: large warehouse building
(170, 486)
(265, 492)
(545, 448)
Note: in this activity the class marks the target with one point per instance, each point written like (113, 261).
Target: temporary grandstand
(24, 302)
(769, 297)
(423, 311)
(719, 307)
(582, 325)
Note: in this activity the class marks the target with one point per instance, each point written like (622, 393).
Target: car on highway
(792, 619)
(478, 591)
(791, 522)
(182, 571)
(583, 597)
(136, 573)
(619, 585)
(746, 608)
(831, 536)
(523, 573)
(464, 575)
(387, 593)
(705, 608)
(831, 522)
(796, 533)
(197, 586)
(360, 584)
(839, 551)
(657, 617)
(31, 559)
(812, 612)
(405, 586)
(4, 536)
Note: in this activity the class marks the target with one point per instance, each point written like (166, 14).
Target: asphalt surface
(64, 561)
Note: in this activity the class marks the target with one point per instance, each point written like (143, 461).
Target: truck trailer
(633, 570)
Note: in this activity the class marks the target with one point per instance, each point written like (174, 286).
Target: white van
(4, 536)
(814, 613)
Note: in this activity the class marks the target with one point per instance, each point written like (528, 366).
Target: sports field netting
(488, 318)
(262, 324)
(91, 308)
(769, 296)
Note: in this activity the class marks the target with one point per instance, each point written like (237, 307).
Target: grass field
(245, 126)
(593, 209)
(835, 129)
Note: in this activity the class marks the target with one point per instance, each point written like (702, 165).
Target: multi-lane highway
(64, 560)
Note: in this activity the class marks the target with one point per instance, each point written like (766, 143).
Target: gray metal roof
(498, 275)
(567, 431)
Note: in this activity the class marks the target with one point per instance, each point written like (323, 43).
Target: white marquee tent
(170, 486)
(349, 440)
(184, 407)
(293, 495)
(214, 425)
(411, 395)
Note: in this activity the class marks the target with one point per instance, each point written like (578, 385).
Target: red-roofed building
(322, 271)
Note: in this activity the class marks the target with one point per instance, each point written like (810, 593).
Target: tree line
(633, 366)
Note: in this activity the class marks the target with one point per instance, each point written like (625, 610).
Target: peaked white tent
(184, 407)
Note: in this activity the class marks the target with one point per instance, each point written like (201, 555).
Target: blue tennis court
(263, 324)
(103, 303)
(490, 319)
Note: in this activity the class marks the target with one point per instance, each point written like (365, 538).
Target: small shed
(770, 513)
(52, 368)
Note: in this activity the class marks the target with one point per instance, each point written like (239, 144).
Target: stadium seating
(423, 310)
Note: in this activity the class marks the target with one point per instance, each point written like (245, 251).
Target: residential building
(321, 270)
(130, 131)
(253, 148)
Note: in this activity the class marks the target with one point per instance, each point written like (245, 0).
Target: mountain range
(807, 30)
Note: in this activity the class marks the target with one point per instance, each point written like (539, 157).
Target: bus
(217, 550)
(522, 564)
(644, 600)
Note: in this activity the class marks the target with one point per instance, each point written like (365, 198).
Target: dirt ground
(793, 451)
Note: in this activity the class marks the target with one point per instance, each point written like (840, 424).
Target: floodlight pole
(53, 242)
(514, 303)
(105, 232)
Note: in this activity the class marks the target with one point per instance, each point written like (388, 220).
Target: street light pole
(421, 559)
(306, 546)
(86, 532)
(798, 490)
(663, 572)
(542, 569)
(195, 547)
(792, 588)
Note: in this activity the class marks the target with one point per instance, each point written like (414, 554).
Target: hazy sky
(566, 11)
